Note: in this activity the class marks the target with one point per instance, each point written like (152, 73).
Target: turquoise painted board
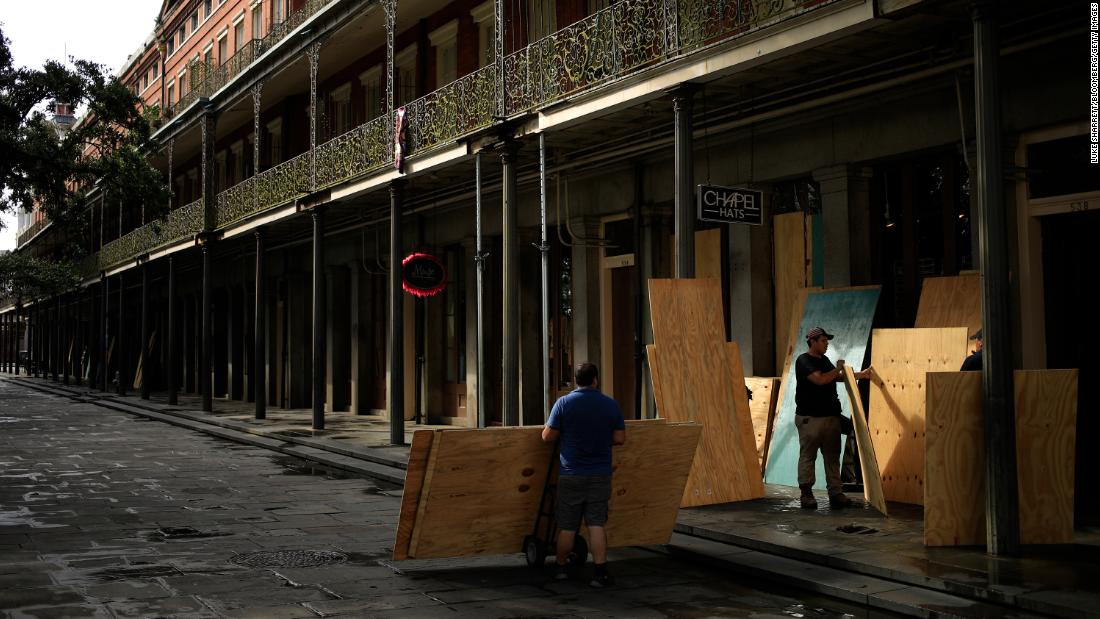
(846, 313)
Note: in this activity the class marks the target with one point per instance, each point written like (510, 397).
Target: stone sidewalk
(854, 554)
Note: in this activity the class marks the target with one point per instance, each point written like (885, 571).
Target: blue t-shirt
(586, 419)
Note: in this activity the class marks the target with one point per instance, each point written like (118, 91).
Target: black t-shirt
(972, 363)
(810, 399)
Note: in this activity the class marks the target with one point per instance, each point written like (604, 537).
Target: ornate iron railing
(26, 235)
(272, 187)
(464, 105)
(612, 42)
(279, 30)
(177, 225)
(702, 22)
(361, 150)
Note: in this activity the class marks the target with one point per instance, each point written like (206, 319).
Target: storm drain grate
(290, 558)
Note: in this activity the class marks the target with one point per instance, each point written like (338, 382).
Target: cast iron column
(120, 339)
(55, 338)
(204, 338)
(511, 282)
(1002, 501)
(396, 339)
(145, 348)
(19, 330)
(479, 262)
(320, 316)
(259, 365)
(544, 254)
(105, 346)
(682, 105)
(170, 350)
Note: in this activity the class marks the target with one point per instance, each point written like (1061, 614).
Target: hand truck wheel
(534, 550)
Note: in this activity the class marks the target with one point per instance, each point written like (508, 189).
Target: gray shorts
(582, 495)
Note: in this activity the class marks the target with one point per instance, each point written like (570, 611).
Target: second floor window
(223, 49)
(444, 40)
(238, 36)
(373, 94)
(277, 11)
(485, 19)
(171, 94)
(257, 22)
(541, 19)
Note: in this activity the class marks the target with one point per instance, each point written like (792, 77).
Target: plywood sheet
(846, 313)
(1046, 423)
(951, 302)
(901, 358)
(954, 463)
(708, 254)
(482, 488)
(419, 451)
(696, 385)
(868, 462)
(765, 390)
(790, 262)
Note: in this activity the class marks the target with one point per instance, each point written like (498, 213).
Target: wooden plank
(762, 408)
(954, 462)
(950, 302)
(425, 492)
(868, 462)
(708, 254)
(491, 481)
(901, 358)
(847, 313)
(742, 412)
(1046, 432)
(655, 376)
(419, 451)
(695, 380)
(789, 263)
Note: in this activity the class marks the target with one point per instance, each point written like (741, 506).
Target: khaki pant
(819, 433)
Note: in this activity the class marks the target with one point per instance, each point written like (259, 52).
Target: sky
(103, 32)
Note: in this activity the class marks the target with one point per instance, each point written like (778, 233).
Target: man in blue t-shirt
(588, 424)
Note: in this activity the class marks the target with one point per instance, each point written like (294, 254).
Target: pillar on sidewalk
(105, 342)
(144, 361)
(395, 390)
(511, 287)
(55, 333)
(320, 317)
(20, 336)
(683, 152)
(171, 352)
(1002, 500)
(205, 384)
(259, 364)
(845, 213)
(120, 338)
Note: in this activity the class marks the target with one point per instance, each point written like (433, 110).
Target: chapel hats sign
(423, 275)
(729, 205)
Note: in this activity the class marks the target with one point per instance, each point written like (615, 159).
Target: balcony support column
(171, 187)
(511, 282)
(259, 365)
(207, 327)
(170, 351)
(209, 126)
(1002, 500)
(145, 334)
(120, 339)
(320, 318)
(479, 259)
(19, 330)
(313, 53)
(682, 106)
(257, 101)
(105, 341)
(396, 340)
(498, 55)
(55, 339)
(389, 7)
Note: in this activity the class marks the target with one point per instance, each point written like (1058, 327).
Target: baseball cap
(977, 335)
(818, 332)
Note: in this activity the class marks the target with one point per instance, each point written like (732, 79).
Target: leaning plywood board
(655, 374)
(419, 451)
(1046, 424)
(490, 481)
(791, 272)
(762, 407)
(951, 302)
(846, 313)
(901, 358)
(954, 460)
(868, 463)
(696, 385)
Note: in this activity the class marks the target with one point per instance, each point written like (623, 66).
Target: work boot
(839, 501)
(808, 500)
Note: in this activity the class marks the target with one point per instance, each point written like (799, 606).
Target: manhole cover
(290, 558)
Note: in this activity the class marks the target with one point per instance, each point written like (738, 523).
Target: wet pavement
(103, 514)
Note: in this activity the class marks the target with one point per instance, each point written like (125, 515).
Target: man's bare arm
(618, 437)
(550, 435)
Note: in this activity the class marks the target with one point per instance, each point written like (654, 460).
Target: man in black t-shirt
(973, 363)
(818, 418)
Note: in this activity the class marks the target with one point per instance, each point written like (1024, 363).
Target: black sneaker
(602, 581)
(561, 572)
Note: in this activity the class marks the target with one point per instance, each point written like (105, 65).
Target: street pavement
(104, 514)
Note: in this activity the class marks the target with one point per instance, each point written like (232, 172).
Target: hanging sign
(423, 275)
(399, 139)
(729, 205)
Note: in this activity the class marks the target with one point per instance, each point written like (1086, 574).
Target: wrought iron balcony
(464, 105)
(26, 235)
(177, 225)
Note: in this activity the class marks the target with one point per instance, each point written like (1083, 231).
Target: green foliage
(24, 278)
(105, 150)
